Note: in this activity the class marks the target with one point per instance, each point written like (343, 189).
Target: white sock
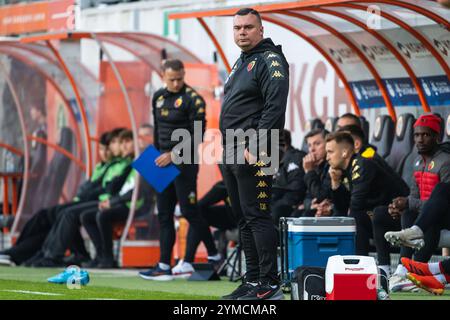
(215, 257)
(434, 268)
(386, 269)
(164, 266)
(440, 278)
(401, 271)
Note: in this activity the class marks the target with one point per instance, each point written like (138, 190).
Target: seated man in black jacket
(37, 228)
(316, 177)
(359, 185)
(289, 189)
(66, 229)
(98, 222)
(364, 149)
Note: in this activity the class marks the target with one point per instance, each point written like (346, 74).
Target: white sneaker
(410, 237)
(401, 284)
(5, 260)
(182, 270)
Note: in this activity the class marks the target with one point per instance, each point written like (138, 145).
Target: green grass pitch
(18, 283)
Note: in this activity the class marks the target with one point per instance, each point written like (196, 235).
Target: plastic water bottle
(382, 294)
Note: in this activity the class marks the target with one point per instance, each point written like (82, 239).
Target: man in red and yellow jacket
(431, 167)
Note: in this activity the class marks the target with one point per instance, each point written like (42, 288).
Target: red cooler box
(351, 278)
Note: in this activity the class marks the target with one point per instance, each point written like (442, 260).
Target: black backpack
(308, 283)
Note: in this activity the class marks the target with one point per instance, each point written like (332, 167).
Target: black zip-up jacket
(288, 185)
(366, 185)
(173, 111)
(370, 152)
(113, 187)
(318, 184)
(145, 199)
(91, 190)
(256, 91)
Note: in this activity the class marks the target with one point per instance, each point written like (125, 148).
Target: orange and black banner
(42, 16)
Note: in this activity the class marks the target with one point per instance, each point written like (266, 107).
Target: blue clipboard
(159, 178)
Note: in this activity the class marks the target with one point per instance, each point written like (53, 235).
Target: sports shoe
(264, 292)
(410, 237)
(107, 263)
(47, 263)
(215, 258)
(415, 267)
(5, 260)
(183, 270)
(91, 264)
(428, 283)
(75, 260)
(401, 284)
(156, 274)
(241, 291)
(71, 275)
(36, 257)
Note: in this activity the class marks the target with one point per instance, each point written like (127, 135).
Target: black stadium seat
(383, 135)
(365, 126)
(442, 136)
(403, 142)
(331, 123)
(408, 167)
(311, 125)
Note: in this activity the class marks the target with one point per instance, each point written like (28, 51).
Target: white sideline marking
(35, 292)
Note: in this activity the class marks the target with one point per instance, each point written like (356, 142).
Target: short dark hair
(246, 11)
(351, 116)
(126, 135)
(115, 133)
(174, 64)
(341, 137)
(105, 138)
(146, 126)
(315, 132)
(354, 130)
(285, 138)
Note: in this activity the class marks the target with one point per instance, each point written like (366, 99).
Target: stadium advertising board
(37, 17)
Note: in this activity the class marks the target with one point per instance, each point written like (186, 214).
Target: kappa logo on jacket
(192, 197)
(160, 102)
(275, 63)
(292, 166)
(277, 74)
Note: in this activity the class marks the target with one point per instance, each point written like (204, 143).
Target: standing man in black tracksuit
(359, 184)
(178, 106)
(255, 97)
